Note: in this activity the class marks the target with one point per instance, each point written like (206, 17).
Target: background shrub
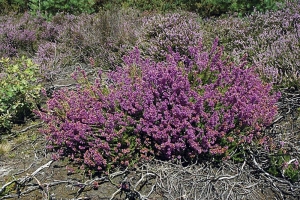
(271, 41)
(19, 91)
(51, 7)
(13, 6)
(205, 8)
(161, 34)
(24, 35)
(179, 108)
(208, 8)
(48, 7)
(146, 6)
(102, 38)
(18, 35)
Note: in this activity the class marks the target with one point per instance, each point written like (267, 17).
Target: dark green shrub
(13, 6)
(218, 7)
(153, 5)
(51, 7)
(145, 5)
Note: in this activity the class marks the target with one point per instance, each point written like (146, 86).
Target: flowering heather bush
(175, 31)
(179, 108)
(271, 40)
(22, 34)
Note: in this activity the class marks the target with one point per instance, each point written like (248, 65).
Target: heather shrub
(162, 33)
(181, 108)
(19, 91)
(271, 41)
(205, 8)
(25, 35)
(93, 133)
(15, 36)
(21, 35)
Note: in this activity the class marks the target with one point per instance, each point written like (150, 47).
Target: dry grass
(5, 147)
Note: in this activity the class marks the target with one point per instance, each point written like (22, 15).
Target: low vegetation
(119, 87)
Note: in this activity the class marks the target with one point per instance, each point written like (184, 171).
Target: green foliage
(157, 5)
(211, 7)
(281, 165)
(19, 92)
(205, 8)
(241, 7)
(51, 7)
(145, 5)
(8, 189)
(292, 173)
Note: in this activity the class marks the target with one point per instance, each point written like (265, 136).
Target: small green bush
(19, 92)
(282, 165)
